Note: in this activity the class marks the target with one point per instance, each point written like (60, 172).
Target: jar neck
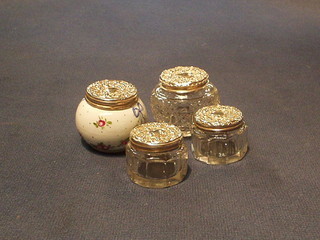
(220, 129)
(111, 104)
(186, 89)
(157, 148)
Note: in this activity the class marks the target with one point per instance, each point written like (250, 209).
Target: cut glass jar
(156, 155)
(180, 93)
(219, 135)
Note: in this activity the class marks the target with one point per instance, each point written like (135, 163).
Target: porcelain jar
(107, 114)
(181, 92)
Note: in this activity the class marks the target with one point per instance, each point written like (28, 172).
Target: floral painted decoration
(103, 147)
(102, 122)
(124, 142)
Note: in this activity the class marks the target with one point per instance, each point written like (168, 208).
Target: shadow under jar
(107, 114)
(156, 155)
(180, 93)
(219, 135)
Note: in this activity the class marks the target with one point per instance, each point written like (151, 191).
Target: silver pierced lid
(218, 118)
(183, 78)
(156, 137)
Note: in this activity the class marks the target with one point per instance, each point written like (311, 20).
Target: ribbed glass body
(219, 147)
(177, 108)
(157, 169)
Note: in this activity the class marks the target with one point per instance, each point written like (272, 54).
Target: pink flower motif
(101, 146)
(101, 123)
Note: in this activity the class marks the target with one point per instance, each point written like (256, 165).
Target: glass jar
(156, 155)
(180, 93)
(219, 135)
(107, 114)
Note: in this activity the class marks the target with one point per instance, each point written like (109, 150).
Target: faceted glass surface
(219, 147)
(178, 108)
(157, 170)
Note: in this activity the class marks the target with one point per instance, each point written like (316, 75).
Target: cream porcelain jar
(107, 114)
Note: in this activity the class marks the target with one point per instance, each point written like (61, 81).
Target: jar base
(158, 183)
(213, 160)
(107, 149)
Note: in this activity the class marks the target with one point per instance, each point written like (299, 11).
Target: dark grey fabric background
(264, 57)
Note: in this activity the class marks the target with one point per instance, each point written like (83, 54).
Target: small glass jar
(107, 114)
(156, 155)
(219, 135)
(180, 93)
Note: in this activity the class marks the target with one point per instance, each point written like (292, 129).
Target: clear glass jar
(180, 93)
(219, 135)
(107, 114)
(156, 155)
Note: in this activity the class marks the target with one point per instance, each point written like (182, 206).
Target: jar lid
(218, 118)
(156, 137)
(111, 94)
(183, 79)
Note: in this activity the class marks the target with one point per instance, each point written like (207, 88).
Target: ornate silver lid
(111, 94)
(218, 118)
(183, 78)
(156, 137)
